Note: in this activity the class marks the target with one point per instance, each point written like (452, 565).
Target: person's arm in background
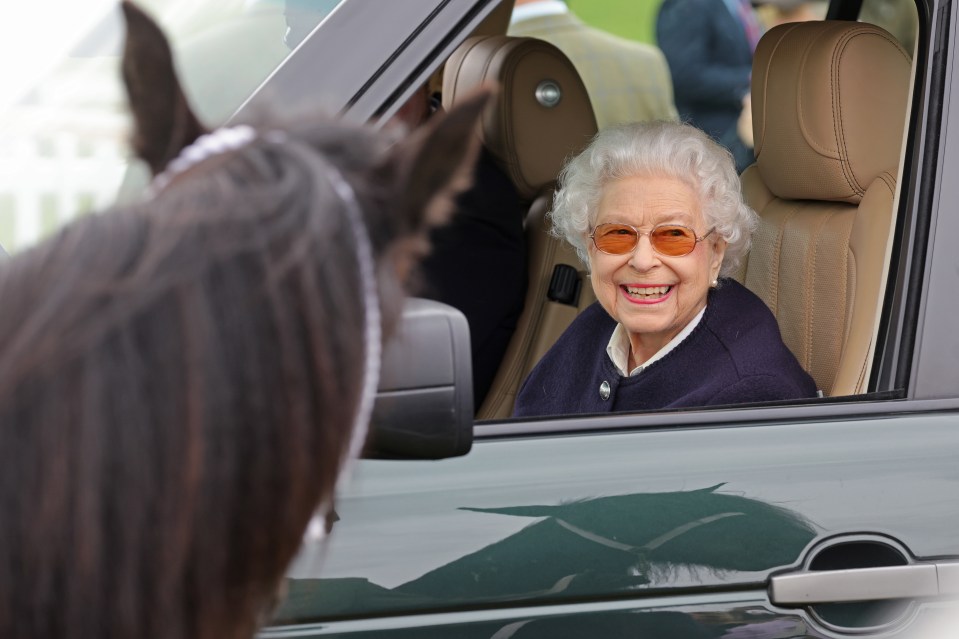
(739, 139)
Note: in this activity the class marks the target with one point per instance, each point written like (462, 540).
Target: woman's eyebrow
(680, 215)
(654, 220)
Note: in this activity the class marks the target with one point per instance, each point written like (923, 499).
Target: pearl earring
(715, 283)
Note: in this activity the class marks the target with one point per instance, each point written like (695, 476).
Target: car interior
(531, 140)
(830, 105)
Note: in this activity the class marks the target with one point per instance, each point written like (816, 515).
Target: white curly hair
(654, 148)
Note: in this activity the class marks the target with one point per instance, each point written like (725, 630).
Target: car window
(693, 34)
(63, 125)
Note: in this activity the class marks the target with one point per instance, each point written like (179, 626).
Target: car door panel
(937, 344)
(647, 518)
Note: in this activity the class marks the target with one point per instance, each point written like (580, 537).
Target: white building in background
(64, 147)
(55, 165)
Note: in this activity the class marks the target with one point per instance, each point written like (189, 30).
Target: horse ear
(437, 161)
(163, 121)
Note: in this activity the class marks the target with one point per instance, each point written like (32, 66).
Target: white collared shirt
(618, 347)
(537, 10)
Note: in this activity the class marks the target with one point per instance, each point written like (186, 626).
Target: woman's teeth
(647, 292)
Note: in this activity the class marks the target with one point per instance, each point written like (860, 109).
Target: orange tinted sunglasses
(670, 240)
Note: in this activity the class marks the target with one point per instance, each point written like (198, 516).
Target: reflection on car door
(674, 531)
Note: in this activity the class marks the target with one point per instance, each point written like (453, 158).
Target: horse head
(181, 377)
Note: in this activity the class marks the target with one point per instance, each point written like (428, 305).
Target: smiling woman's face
(653, 296)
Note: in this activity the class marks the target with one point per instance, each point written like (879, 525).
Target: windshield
(63, 122)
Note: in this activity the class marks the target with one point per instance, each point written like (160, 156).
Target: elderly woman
(656, 212)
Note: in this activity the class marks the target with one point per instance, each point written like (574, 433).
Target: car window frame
(925, 285)
(383, 73)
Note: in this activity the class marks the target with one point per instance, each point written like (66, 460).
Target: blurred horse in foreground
(183, 379)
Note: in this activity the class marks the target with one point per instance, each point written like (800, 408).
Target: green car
(830, 517)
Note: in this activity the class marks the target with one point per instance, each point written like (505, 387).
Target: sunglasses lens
(619, 239)
(615, 239)
(673, 241)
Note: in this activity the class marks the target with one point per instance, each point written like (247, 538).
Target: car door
(635, 526)
(830, 518)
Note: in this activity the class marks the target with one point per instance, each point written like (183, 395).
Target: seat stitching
(758, 144)
(803, 127)
(840, 132)
(811, 274)
(889, 180)
(836, 100)
(776, 272)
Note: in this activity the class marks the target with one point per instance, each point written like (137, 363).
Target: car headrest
(542, 113)
(829, 104)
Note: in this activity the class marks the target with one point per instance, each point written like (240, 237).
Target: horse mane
(179, 376)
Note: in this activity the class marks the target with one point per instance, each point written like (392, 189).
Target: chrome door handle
(865, 584)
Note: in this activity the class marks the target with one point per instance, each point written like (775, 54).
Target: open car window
(818, 344)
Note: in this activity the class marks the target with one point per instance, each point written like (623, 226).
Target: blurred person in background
(775, 12)
(709, 46)
(478, 261)
(772, 13)
(627, 81)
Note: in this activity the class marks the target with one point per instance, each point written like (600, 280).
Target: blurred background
(63, 126)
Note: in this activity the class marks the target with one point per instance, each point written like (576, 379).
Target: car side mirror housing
(424, 405)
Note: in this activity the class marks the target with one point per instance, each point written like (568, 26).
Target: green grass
(633, 19)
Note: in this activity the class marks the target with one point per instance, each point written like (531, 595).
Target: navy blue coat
(734, 355)
(710, 61)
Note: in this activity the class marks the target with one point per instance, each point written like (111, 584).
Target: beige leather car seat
(829, 104)
(541, 116)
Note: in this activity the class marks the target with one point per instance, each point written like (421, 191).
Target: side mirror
(424, 406)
